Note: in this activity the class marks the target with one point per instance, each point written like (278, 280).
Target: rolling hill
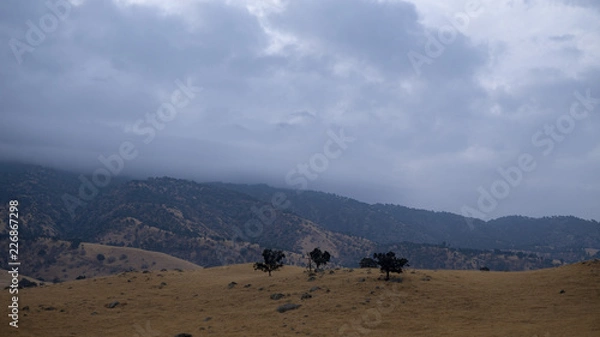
(238, 301)
(56, 261)
(212, 224)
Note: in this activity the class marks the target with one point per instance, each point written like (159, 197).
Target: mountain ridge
(213, 224)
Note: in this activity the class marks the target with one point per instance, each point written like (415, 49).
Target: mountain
(212, 224)
(393, 223)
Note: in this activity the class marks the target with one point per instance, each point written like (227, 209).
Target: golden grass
(426, 303)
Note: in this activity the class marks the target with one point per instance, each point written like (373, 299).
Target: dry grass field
(345, 303)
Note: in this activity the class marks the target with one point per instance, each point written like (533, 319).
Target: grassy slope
(70, 263)
(426, 303)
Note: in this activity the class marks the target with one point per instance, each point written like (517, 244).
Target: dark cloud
(275, 87)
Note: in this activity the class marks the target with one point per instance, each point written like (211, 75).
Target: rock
(112, 304)
(562, 291)
(313, 289)
(231, 285)
(331, 272)
(362, 279)
(162, 285)
(277, 296)
(94, 313)
(288, 307)
(183, 335)
(305, 296)
(80, 277)
(247, 285)
(207, 319)
(312, 278)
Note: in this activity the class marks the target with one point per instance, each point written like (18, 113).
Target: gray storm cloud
(80, 79)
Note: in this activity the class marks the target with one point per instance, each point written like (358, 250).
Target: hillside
(56, 261)
(557, 302)
(388, 224)
(211, 224)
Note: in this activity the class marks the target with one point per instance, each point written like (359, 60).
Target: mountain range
(213, 224)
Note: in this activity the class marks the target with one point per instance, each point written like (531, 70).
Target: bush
(100, 257)
(123, 257)
(368, 262)
(111, 259)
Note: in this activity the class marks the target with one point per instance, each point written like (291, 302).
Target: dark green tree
(319, 257)
(368, 262)
(389, 263)
(272, 261)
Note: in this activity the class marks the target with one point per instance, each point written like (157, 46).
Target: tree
(272, 260)
(389, 263)
(368, 262)
(319, 257)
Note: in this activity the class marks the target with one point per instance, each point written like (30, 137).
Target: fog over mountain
(481, 108)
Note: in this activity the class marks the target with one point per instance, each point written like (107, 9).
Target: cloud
(276, 76)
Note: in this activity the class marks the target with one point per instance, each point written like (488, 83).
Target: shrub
(368, 262)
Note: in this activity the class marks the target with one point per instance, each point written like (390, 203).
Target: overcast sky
(419, 103)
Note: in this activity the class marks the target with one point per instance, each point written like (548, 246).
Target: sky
(481, 108)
